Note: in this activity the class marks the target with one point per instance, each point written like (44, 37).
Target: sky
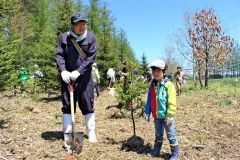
(151, 24)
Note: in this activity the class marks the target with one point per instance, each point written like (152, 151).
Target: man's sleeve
(171, 101)
(59, 55)
(91, 57)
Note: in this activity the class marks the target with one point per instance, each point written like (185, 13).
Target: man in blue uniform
(75, 66)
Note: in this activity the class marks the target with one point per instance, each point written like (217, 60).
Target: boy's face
(157, 73)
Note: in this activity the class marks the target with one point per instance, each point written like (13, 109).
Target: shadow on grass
(136, 144)
(57, 135)
(52, 135)
(2, 123)
(51, 99)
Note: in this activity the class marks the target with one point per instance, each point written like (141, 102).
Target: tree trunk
(238, 72)
(133, 120)
(194, 76)
(200, 79)
(131, 105)
(206, 72)
(214, 73)
(223, 72)
(194, 72)
(199, 74)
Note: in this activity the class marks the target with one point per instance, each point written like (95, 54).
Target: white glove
(65, 76)
(74, 75)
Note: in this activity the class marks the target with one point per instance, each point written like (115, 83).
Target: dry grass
(31, 129)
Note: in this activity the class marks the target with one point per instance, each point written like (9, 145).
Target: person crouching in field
(161, 103)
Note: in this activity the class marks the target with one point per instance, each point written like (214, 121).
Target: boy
(161, 102)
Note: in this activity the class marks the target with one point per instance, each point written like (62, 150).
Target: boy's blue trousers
(160, 125)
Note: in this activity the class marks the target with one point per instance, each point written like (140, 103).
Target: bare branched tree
(170, 59)
(206, 43)
(209, 43)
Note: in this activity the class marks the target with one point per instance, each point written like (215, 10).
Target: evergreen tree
(125, 51)
(106, 56)
(44, 47)
(63, 12)
(44, 58)
(144, 65)
(29, 31)
(16, 32)
(93, 12)
(78, 6)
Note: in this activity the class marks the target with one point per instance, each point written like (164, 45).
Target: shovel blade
(76, 142)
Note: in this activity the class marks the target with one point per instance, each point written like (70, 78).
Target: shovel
(76, 142)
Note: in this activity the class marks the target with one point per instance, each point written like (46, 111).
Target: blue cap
(79, 16)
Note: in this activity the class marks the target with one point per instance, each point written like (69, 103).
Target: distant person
(124, 74)
(111, 76)
(161, 103)
(37, 73)
(96, 78)
(179, 80)
(141, 78)
(118, 75)
(23, 75)
(37, 77)
(23, 78)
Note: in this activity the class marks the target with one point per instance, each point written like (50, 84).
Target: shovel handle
(70, 86)
(71, 89)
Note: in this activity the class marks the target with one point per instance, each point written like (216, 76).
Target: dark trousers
(110, 82)
(83, 94)
(97, 88)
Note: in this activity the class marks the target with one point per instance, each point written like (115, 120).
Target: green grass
(228, 87)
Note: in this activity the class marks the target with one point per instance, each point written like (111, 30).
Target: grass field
(208, 126)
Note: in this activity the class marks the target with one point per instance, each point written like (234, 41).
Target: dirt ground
(32, 130)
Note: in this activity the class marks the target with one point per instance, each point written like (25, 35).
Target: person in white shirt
(111, 76)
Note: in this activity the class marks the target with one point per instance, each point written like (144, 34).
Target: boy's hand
(147, 117)
(169, 122)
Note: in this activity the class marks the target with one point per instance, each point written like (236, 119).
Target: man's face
(80, 27)
(157, 73)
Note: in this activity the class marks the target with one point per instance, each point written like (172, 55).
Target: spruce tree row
(29, 31)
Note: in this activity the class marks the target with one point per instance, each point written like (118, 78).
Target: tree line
(29, 31)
